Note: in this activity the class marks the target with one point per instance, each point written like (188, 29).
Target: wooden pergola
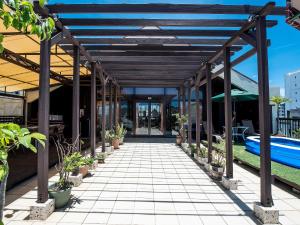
(152, 56)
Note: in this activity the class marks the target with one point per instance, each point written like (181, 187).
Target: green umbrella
(236, 96)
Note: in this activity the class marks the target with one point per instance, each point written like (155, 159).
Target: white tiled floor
(157, 184)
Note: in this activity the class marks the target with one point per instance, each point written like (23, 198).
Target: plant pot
(109, 150)
(84, 170)
(61, 197)
(116, 143)
(94, 165)
(216, 172)
(178, 140)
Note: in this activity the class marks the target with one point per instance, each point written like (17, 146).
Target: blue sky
(285, 41)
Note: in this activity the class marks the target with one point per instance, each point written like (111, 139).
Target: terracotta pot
(84, 170)
(178, 140)
(216, 172)
(116, 143)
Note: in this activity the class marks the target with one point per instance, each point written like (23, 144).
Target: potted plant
(67, 163)
(203, 155)
(101, 157)
(121, 132)
(108, 140)
(115, 140)
(12, 136)
(181, 120)
(91, 162)
(217, 164)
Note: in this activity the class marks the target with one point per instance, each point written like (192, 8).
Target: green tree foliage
(20, 15)
(12, 136)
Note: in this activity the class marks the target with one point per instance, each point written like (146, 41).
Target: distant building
(276, 91)
(292, 90)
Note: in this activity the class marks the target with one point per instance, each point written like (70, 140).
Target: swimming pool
(283, 150)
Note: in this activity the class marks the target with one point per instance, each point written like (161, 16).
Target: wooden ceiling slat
(161, 8)
(151, 48)
(153, 41)
(111, 32)
(158, 22)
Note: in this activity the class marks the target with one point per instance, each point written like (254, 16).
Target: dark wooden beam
(110, 106)
(198, 115)
(158, 22)
(116, 121)
(209, 111)
(161, 8)
(153, 41)
(151, 59)
(266, 10)
(228, 114)
(151, 53)
(150, 48)
(264, 112)
(103, 96)
(189, 108)
(43, 122)
(76, 99)
(112, 32)
(93, 109)
(150, 67)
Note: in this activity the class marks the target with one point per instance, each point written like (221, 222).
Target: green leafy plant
(101, 157)
(203, 153)
(120, 131)
(296, 133)
(68, 161)
(218, 158)
(181, 120)
(88, 161)
(20, 15)
(12, 136)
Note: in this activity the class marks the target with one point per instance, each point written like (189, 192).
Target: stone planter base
(229, 183)
(41, 211)
(267, 215)
(76, 180)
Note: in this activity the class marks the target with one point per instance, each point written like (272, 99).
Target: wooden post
(179, 101)
(189, 114)
(93, 109)
(209, 111)
(104, 81)
(228, 113)
(116, 106)
(183, 101)
(264, 112)
(43, 121)
(76, 97)
(198, 125)
(110, 106)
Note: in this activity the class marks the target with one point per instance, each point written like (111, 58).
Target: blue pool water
(283, 150)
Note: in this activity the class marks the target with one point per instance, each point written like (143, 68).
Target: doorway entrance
(148, 118)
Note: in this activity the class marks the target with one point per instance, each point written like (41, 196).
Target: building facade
(292, 90)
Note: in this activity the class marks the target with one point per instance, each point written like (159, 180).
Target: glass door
(148, 120)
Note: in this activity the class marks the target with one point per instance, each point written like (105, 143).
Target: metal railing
(286, 126)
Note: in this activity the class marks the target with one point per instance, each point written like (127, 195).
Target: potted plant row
(70, 162)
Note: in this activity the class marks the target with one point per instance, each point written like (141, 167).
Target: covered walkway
(151, 181)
